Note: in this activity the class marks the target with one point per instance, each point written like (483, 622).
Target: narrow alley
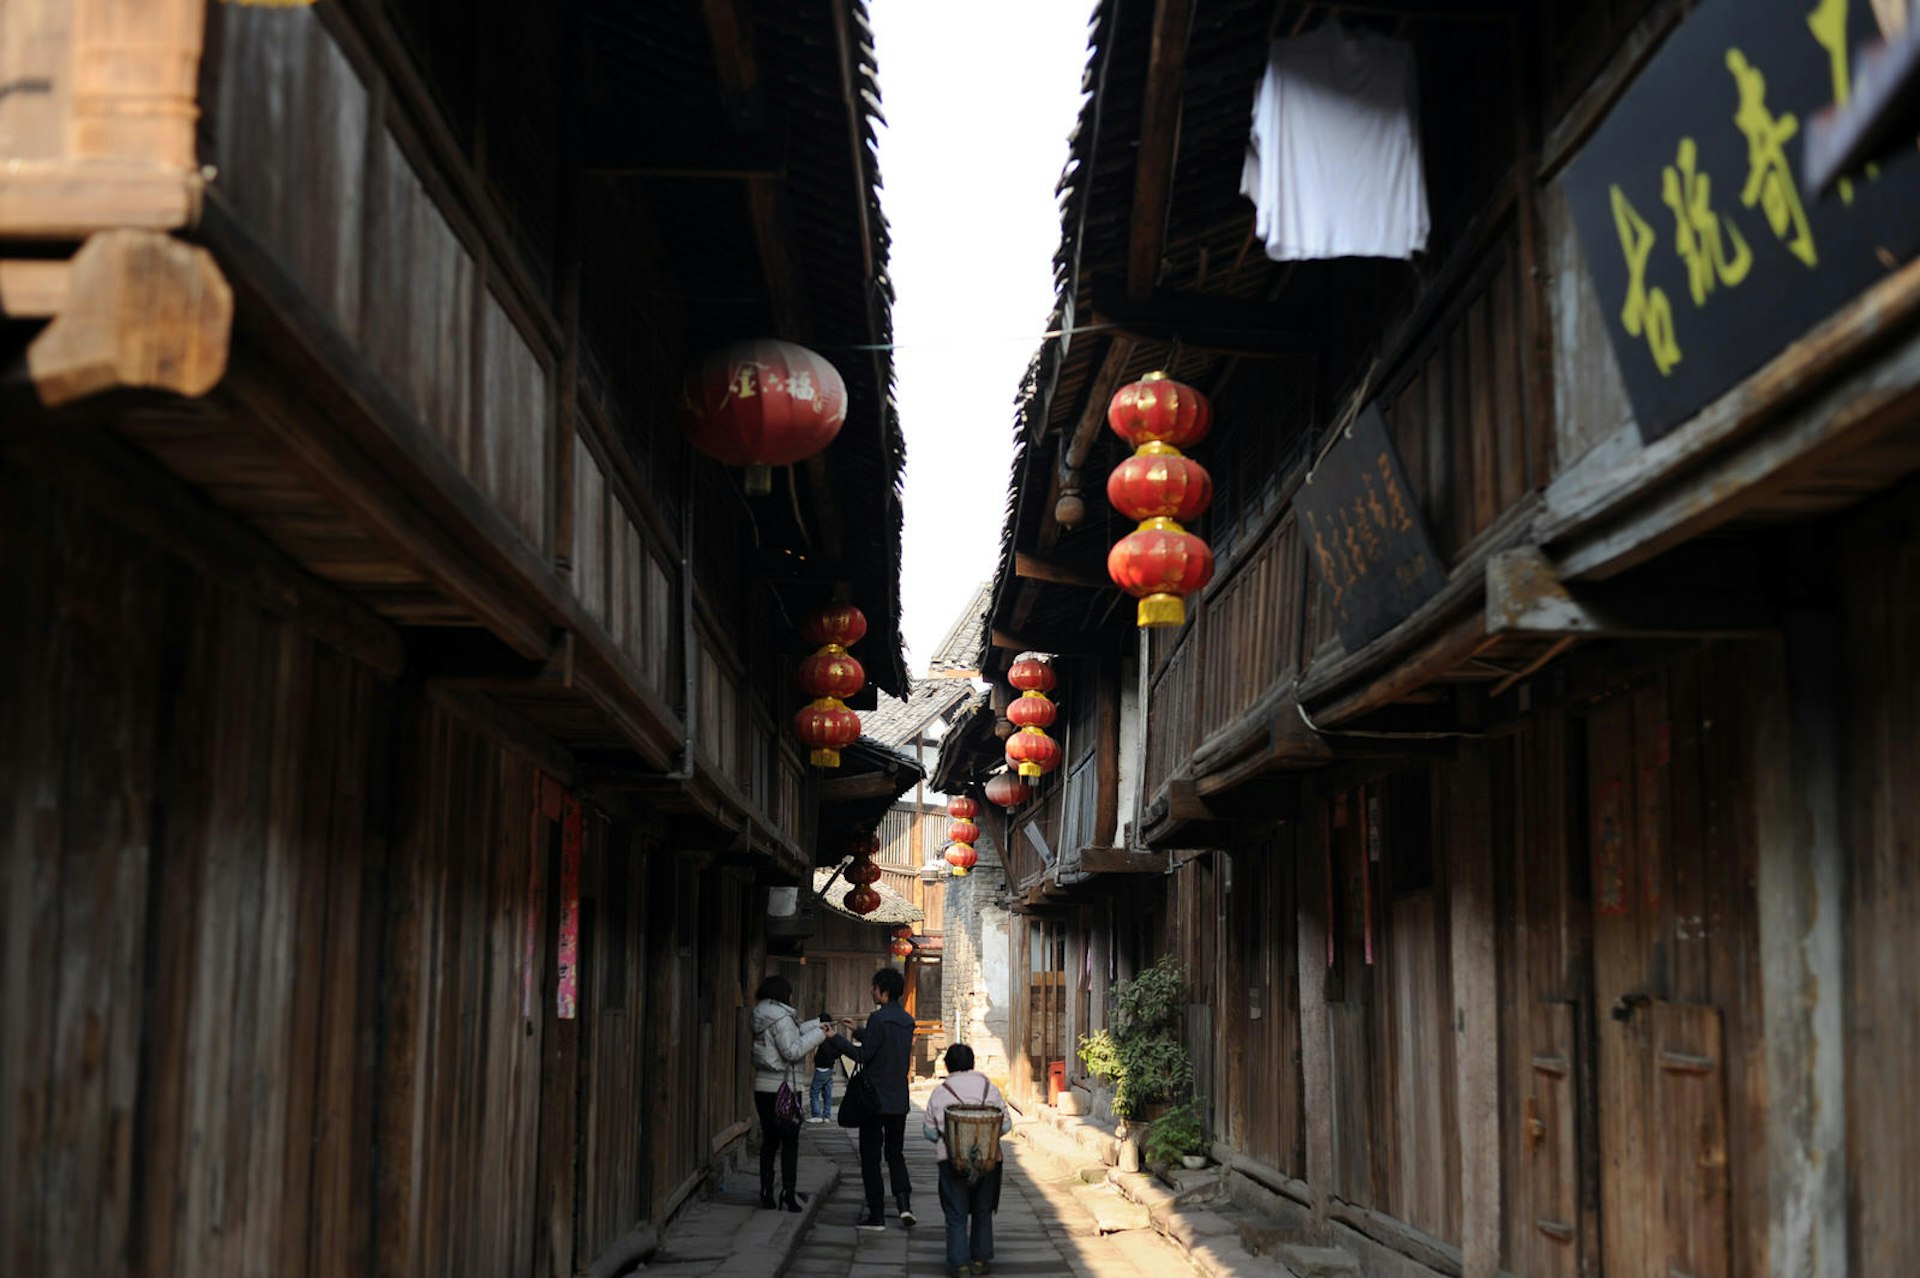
(1050, 1222)
(1381, 720)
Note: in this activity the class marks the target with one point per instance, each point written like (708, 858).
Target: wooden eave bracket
(68, 200)
(1526, 596)
(133, 310)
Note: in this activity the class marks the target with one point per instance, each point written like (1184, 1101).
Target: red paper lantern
(860, 871)
(844, 625)
(1033, 752)
(962, 807)
(1160, 563)
(861, 900)
(963, 832)
(904, 931)
(1007, 789)
(901, 947)
(762, 404)
(831, 672)
(826, 727)
(1030, 674)
(1032, 710)
(1158, 483)
(1157, 409)
(867, 845)
(962, 858)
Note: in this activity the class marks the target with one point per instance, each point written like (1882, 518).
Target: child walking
(968, 1204)
(820, 1094)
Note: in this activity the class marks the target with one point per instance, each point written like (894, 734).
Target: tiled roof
(895, 722)
(960, 650)
(894, 908)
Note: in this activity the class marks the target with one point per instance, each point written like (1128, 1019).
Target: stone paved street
(1043, 1226)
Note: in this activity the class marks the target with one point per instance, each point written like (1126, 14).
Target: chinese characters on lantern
(763, 404)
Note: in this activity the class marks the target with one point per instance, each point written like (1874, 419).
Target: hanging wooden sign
(1365, 538)
(1708, 253)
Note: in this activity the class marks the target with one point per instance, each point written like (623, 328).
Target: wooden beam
(34, 288)
(627, 153)
(1079, 644)
(1035, 568)
(1231, 325)
(1079, 446)
(1159, 144)
(867, 785)
(1102, 860)
(149, 502)
(1525, 595)
(730, 28)
(143, 310)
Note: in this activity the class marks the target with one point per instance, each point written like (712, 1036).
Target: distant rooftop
(896, 723)
(959, 652)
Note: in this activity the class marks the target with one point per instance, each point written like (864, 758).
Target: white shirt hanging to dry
(1333, 165)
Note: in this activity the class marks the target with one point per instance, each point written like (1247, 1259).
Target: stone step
(1319, 1262)
(1112, 1213)
(1060, 1153)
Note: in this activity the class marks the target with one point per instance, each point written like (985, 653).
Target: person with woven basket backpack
(780, 1041)
(966, 1116)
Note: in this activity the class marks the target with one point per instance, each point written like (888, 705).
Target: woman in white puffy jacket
(782, 1044)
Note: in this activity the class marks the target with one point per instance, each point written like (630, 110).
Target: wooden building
(1549, 908)
(391, 781)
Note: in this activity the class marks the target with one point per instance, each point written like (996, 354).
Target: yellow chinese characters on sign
(1770, 181)
(1646, 312)
(1712, 247)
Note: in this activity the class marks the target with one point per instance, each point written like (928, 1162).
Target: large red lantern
(1157, 409)
(831, 672)
(1031, 674)
(962, 858)
(843, 625)
(963, 832)
(1160, 563)
(901, 947)
(861, 900)
(1007, 789)
(826, 727)
(963, 807)
(1032, 710)
(1033, 752)
(860, 872)
(762, 404)
(1158, 483)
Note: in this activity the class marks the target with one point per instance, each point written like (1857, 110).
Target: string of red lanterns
(1160, 563)
(830, 676)
(762, 404)
(1030, 750)
(963, 833)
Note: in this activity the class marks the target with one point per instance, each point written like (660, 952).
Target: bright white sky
(979, 99)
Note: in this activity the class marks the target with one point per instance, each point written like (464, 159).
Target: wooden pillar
(1470, 930)
(1316, 1090)
(1801, 893)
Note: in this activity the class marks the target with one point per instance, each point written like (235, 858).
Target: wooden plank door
(1551, 1141)
(559, 827)
(1660, 1085)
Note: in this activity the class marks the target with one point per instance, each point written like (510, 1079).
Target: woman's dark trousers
(774, 1141)
(888, 1131)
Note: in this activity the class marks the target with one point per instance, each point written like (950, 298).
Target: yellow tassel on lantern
(1162, 610)
(959, 871)
(824, 758)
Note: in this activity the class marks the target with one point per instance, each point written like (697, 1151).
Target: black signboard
(1364, 534)
(1709, 254)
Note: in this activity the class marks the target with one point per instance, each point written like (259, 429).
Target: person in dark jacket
(885, 1051)
(820, 1094)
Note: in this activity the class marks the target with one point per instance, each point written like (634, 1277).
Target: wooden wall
(1882, 602)
(263, 913)
(191, 795)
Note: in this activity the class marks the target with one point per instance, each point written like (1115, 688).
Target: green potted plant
(1177, 1136)
(1141, 1057)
